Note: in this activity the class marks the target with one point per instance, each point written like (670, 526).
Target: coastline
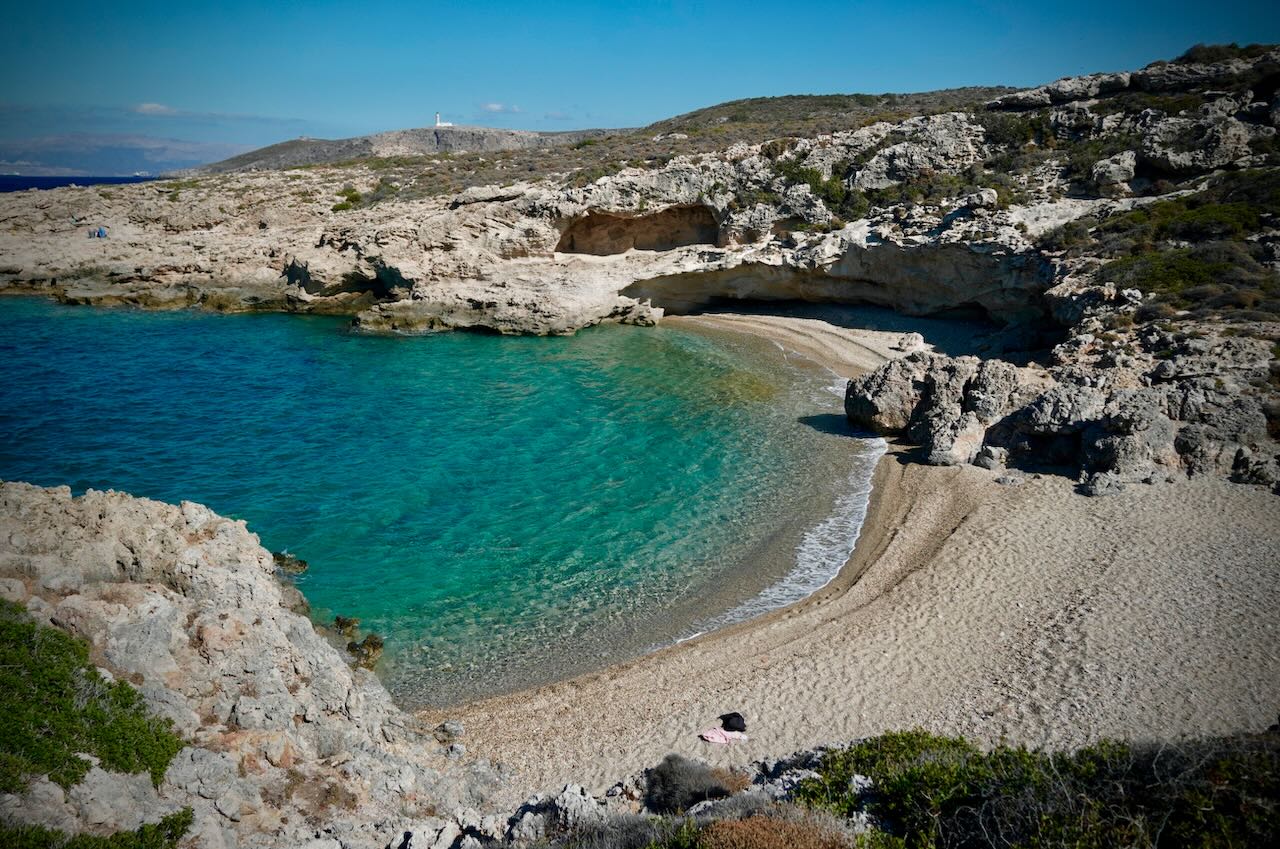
(997, 612)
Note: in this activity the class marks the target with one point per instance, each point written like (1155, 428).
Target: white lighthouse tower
(440, 123)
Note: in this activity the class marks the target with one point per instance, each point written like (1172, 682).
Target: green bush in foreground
(54, 704)
(162, 835)
(937, 791)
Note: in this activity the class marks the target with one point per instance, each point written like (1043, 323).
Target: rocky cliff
(1110, 215)
(1126, 226)
(287, 743)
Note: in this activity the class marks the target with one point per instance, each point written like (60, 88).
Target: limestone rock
(1115, 172)
(187, 605)
(1188, 412)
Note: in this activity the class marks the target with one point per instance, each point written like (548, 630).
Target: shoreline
(1020, 613)
(1027, 614)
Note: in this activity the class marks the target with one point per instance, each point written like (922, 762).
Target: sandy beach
(1025, 612)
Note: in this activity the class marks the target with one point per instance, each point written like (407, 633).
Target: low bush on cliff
(1195, 252)
(678, 783)
(1228, 279)
(1014, 129)
(848, 204)
(162, 835)
(944, 792)
(930, 792)
(766, 825)
(55, 705)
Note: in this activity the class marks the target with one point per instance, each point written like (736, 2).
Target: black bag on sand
(733, 722)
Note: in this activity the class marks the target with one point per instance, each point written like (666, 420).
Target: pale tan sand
(1028, 613)
(845, 351)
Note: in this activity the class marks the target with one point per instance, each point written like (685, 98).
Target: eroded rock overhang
(605, 233)
(914, 280)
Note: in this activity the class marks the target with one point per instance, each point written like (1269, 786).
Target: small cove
(506, 511)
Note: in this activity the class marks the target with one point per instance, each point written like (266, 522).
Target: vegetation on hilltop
(1204, 54)
(760, 119)
(703, 131)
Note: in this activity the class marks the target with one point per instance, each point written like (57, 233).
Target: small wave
(822, 552)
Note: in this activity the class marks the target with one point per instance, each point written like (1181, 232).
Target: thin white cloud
(161, 110)
(154, 109)
(500, 108)
(556, 115)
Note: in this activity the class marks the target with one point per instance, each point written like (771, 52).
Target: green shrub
(1224, 271)
(342, 207)
(1083, 154)
(1138, 101)
(383, 190)
(1163, 272)
(1012, 129)
(55, 705)
(162, 835)
(841, 201)
(1187, 218)
(685, 835)
(943, 792)
(774, 148)
(1205, 54)
(1222, 277)
(678, 783)
(1068, 235)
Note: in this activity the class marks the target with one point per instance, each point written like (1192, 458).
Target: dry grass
(767, 833)
(734, 782)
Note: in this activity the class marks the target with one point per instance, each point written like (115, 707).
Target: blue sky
(251, 73)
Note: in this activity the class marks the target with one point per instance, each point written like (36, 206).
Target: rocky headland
(421, 141)
(1122, 229)
(1121, 226)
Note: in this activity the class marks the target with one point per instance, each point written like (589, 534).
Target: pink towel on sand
(719, 735)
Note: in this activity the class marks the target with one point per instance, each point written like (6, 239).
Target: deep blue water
(16, 183)
(503, 510)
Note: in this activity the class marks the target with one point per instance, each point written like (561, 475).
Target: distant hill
(104, 154)
(712, 128)
(425, 141)
(759, 119)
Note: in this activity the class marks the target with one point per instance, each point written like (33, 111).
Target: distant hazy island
(1053, 317)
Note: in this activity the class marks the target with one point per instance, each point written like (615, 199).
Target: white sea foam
(822, 552)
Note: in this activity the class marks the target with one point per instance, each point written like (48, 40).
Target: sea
(504, 511)
(16, 183)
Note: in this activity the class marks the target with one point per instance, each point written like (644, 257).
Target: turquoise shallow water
(505, 511)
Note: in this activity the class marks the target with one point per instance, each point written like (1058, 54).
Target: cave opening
(602, 233)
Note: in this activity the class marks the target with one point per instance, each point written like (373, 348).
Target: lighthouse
(440, 123)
